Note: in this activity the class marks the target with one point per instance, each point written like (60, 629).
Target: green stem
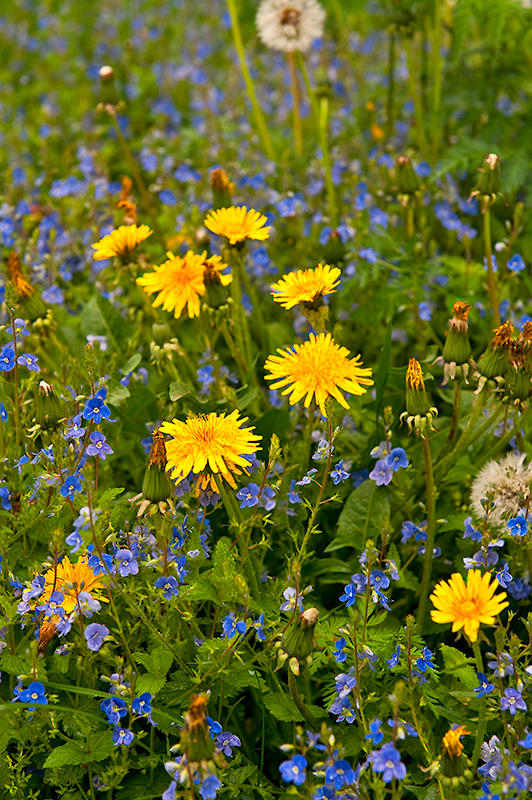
(300, 703)
(390, 96)
(296, 105)
(260, 122)
(431, 532)
(492, 282)
(415, 94)
(138, 180)
(324, 144)
(481, 725)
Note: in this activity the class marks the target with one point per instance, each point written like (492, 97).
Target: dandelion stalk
(296, 105)
(248, 80)
(431, 531)
(324, 144)
(492, 283)
(481, 725)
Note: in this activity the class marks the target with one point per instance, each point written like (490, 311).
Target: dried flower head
(290, 25)
(508, 483)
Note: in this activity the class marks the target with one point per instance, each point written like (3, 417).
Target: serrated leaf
(362, 517)
(282, 707)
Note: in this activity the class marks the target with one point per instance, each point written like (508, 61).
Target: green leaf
(363, 516)
(75, 753)
(282, 707)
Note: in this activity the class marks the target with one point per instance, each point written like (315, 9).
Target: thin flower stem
(326, 155)
(431, 531)
(481, 725)
(492, 282)
(260, 122)
(138, 179)
(296, 105)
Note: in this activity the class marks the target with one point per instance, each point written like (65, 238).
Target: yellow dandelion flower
(237, 223)
(181, 282)
(451, 743)
(466, 605)
(120, 242)
(306, 286)
(211, 446)
(70, 579)
(318, 368)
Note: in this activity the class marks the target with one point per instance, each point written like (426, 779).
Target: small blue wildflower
(94, 635)
(231, 626)
(485, 686)
(293, 771)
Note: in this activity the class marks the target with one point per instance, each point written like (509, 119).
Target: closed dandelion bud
(493, 362)
(298, 640)
(222, 188)
(453, 764)
(48, 406)
(195, 737)
(419, 413)
(489, 180)
(406, 177)
(108, 96)
(161, 332)
(156, 485)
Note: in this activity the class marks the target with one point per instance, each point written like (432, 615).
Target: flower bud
(48, 406)
(156, 485)
(298, 640)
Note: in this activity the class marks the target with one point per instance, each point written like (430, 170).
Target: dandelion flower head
(318, 369)
(290, 25)
(306, 286)
(467, 605)
(211, 446)
(237, 223)
(120, 242)
(181, 282)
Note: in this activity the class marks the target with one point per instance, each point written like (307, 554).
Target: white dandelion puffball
(509, 480)
(290, 25)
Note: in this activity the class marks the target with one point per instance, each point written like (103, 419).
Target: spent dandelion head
(306, 287)
(290, 25)
(181, 281)
(213, 447)
(468, 604)
(237, 223)
(120, 242)
(318, 369)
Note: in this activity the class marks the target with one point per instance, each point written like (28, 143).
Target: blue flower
(517, 526)
(485, 686)
(95, 409)
(122, 736)
(341, 773)
(126, 564)
(35, 693)
(397, 459)
(98, 446)
(231, 626)
(338, 652)
(375, 734)
(71, 485)
(516, 263)
(94, 635)
(513, 701)
(293, 771)
(382, 473)
(339, 474)
(7, 358)
(225, 741)
(30, 361)
(209, 787)
(387, 760)
(142, 705)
